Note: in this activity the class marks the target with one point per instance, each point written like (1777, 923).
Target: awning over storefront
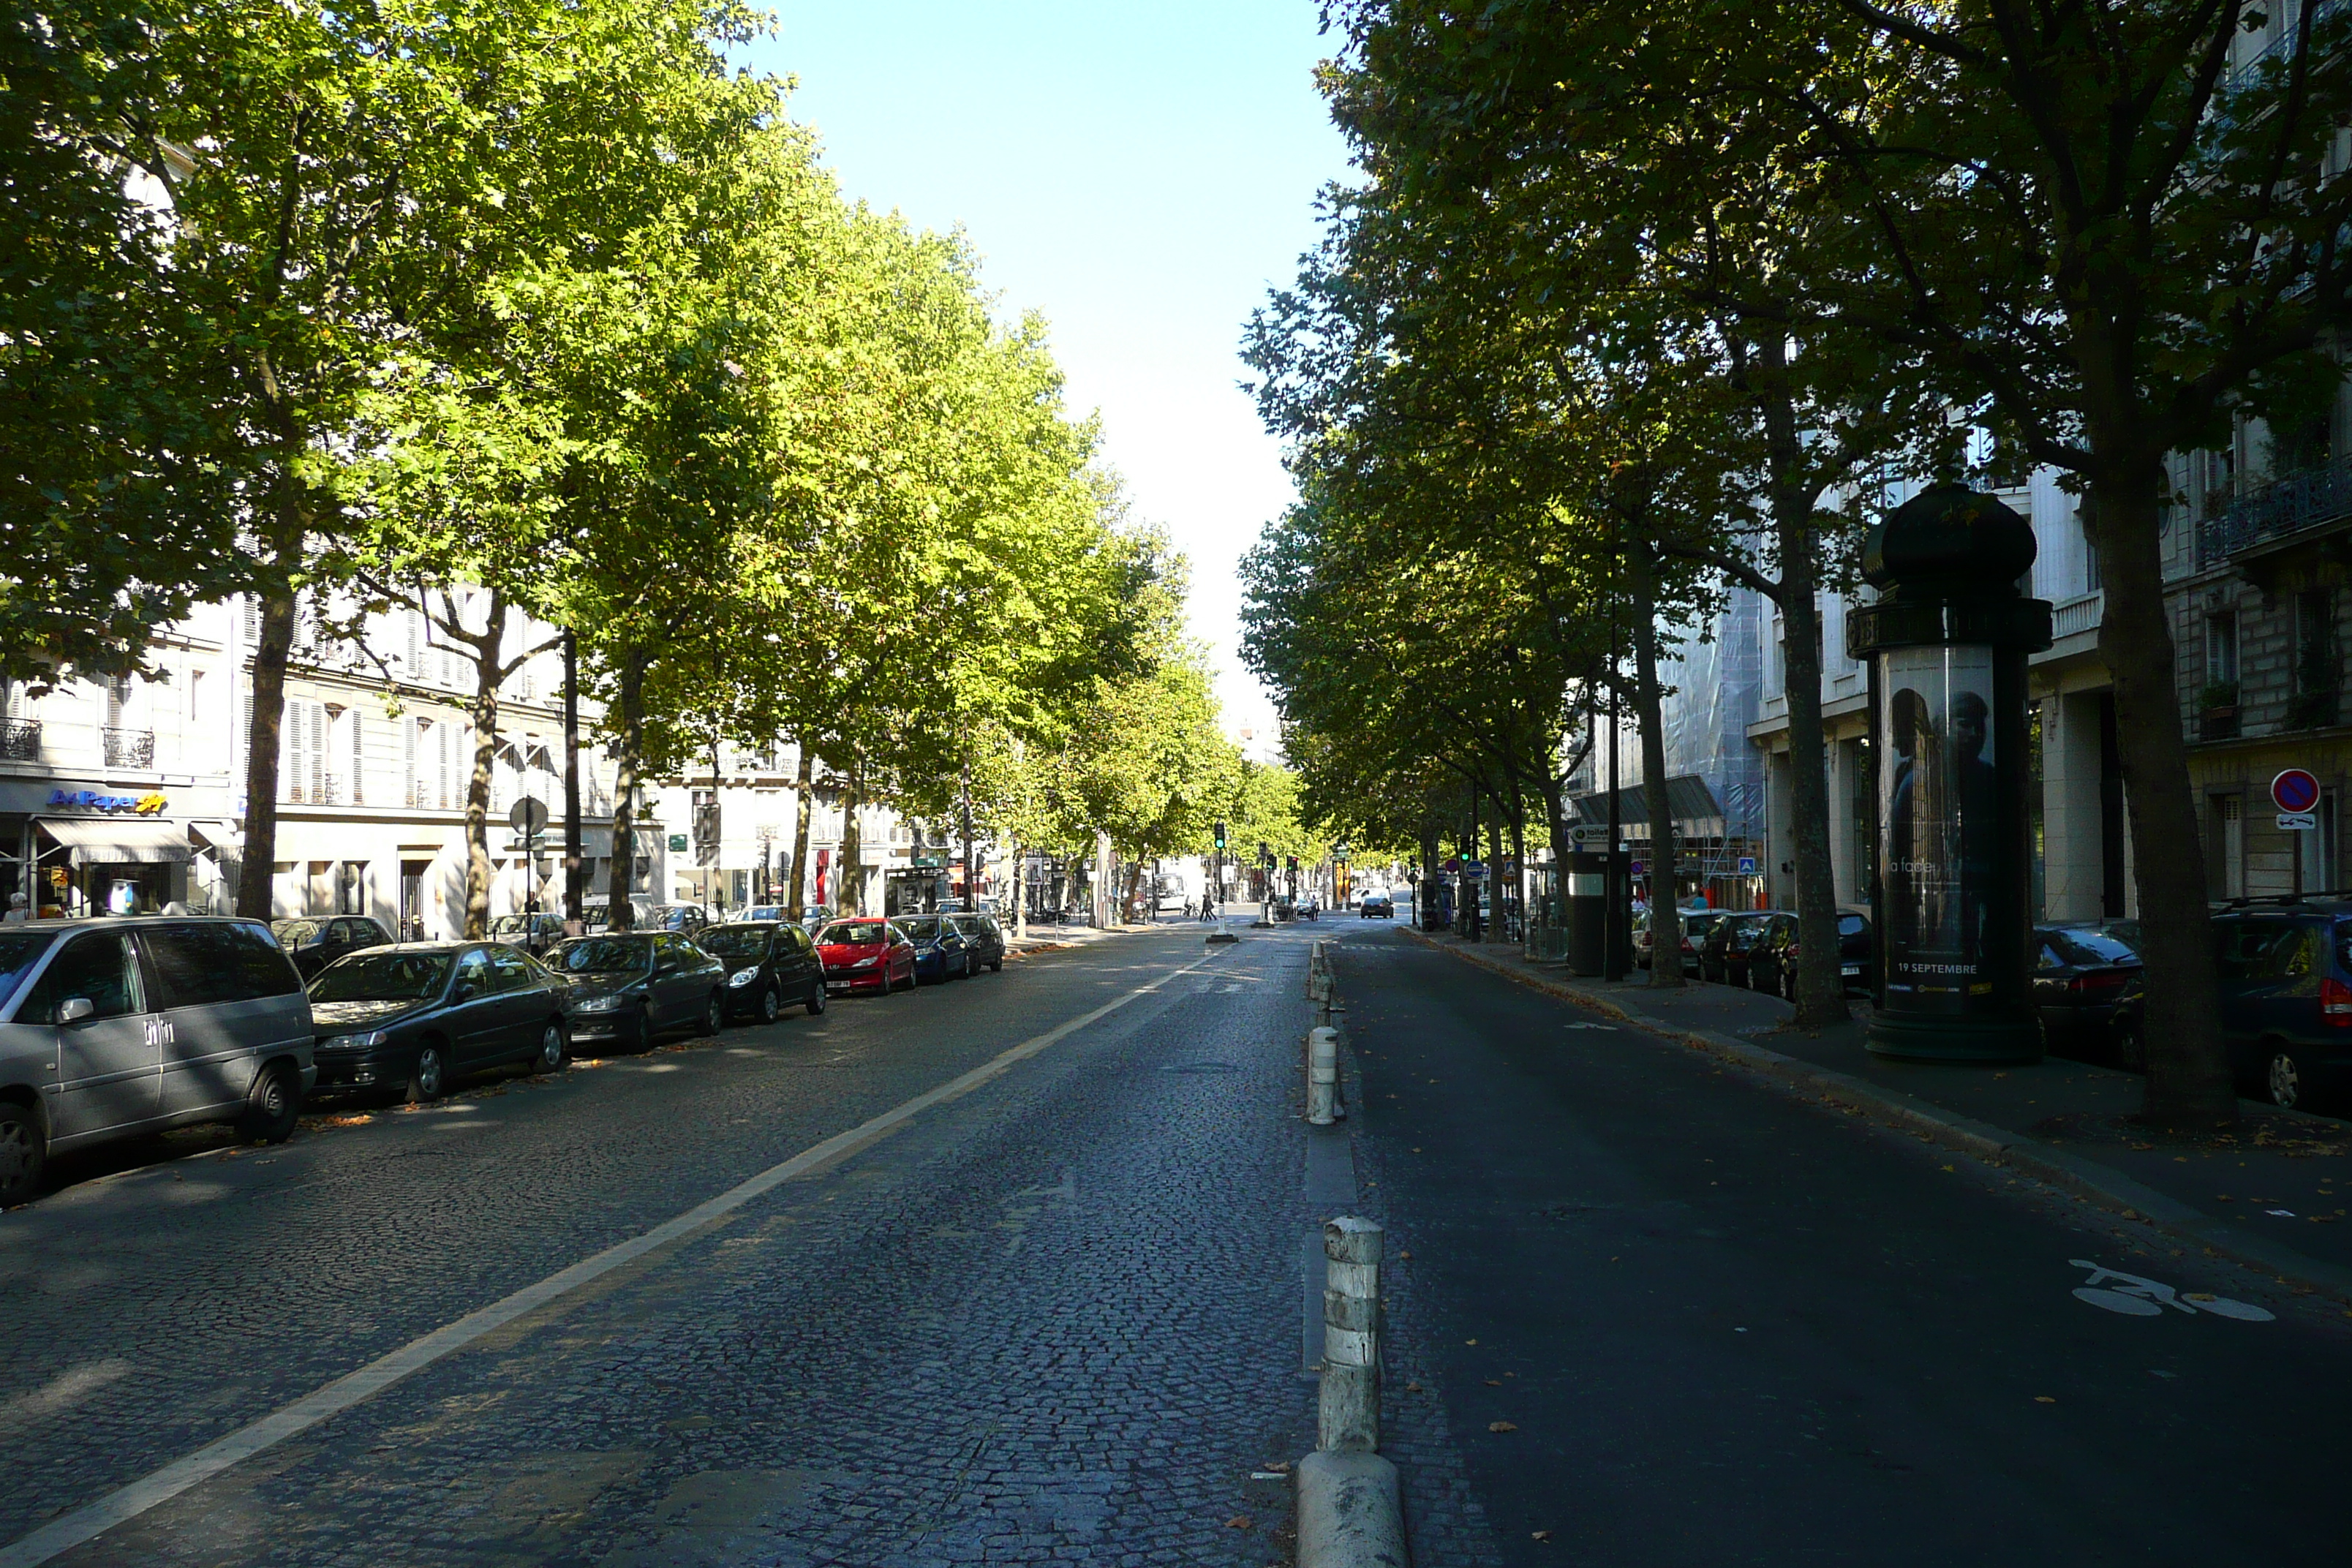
(109, 841)
(219, 835)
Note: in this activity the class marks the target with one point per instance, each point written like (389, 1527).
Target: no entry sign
(2295, 790)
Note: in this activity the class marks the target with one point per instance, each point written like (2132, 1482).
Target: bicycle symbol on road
(2136, 1298)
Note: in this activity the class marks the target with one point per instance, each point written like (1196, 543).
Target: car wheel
(271, 1109)
(428, 1080)
(996, 966)
(714, 1015)
(549, 1055)
(641, 1039)
(2289, 1081)
(771, 1003)
(816, 998)
(23, 1151)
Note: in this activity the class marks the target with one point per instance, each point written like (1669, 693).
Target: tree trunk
(1498, 929)
(803, 780)
(1665, 920)
(484, 714)
(618, 882)
(852, 898)
(2190, 1085)
(257, 871)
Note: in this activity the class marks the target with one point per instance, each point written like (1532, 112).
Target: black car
(629, 986)
(314, 941)
(985, 937)
(534, 933)
(769, 965)
(409, 1017)
(2086, 992)
(941, 950)
(1772, 956)
(1723, 956)
(1376, 907)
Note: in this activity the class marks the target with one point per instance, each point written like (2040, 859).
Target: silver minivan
(125, 1024)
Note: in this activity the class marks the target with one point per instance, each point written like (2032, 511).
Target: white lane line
(130, 1501)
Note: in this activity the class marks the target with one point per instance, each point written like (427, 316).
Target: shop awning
(109, 841)
(220, 834)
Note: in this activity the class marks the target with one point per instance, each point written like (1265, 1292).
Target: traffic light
(1221, 838)
(1293, 862)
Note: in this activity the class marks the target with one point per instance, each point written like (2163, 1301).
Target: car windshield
(294, 933)
(1852, 925)
(602, 955)
(922, 927)
(736, 944)
(2078, 945)
(19, 951)
(855, 933)
(673, 919)
(383, 977)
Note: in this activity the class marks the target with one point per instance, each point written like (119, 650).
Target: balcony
(20, 740)
(128, 748)
(2301, 502)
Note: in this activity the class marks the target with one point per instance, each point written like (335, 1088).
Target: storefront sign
(93, 800)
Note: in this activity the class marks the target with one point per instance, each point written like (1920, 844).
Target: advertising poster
(1936, 808)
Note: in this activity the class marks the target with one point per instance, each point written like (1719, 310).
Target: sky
(1140, 176)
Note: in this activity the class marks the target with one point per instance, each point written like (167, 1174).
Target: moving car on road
(1377, 905)
(629, 986)
(1723, 956)
(985, 937)
(942, 952)
(315, 941)
(411, 1017)
(118, 1026)
(865, 954)
(769, 965)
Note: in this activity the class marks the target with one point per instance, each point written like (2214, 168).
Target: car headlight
(865, 963)
(743, 977)
(600, 1004)
(353, 1042)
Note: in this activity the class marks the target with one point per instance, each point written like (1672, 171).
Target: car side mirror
(467, 991)
(74, 1009)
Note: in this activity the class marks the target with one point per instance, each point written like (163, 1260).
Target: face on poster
(1936, 804)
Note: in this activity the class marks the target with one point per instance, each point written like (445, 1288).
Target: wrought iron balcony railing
(20, 740)
(128, 748)
(2308, 498)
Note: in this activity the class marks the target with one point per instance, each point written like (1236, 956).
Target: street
(1640, 1310)
(1055, 1315)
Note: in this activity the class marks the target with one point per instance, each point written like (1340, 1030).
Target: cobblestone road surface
(1056, 1319)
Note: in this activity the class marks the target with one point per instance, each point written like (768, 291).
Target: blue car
(941, 951)
(2284, 973)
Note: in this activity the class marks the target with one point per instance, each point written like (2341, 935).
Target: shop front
(76, 847)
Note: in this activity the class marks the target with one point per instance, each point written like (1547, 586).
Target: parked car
(534, 933)
(1696, 924)
(942, 952)
(863, 953)
(1772, 956)
(2285, 992)
(687, 919)
(749, 912)
(985, 937)
(2086, 992)
(1723, 955)
(1377, 905)
(123, 1025)
(314, 941)
(626, 987)
(413, 1017)
(769, 965)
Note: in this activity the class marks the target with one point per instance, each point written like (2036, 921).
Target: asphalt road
(1054, 1314)
(1720, 1326)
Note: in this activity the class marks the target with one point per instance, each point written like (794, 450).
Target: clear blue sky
(1140, 175)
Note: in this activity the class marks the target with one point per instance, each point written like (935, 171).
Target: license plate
(1852, 969)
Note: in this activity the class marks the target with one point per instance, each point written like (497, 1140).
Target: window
(2228, 851)
(474, 970)
(2222, 649)
(515, 972)
(19, 951)
(98, 968)
(2314, 659)
(2091, 580)
(209, 964)
(302, 752)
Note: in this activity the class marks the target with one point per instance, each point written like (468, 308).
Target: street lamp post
(1947, 645)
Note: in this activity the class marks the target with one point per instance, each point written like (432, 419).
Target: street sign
(1475, 871)
(2298, 821)
(1748, 865)
(528, 816)
(1453, 864)
(1640, 869)
(1589, 834)
(677, 843)
(2295, 790)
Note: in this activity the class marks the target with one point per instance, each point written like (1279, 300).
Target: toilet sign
(2296, 792)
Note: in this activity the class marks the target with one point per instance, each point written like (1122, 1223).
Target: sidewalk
(2267, 1197)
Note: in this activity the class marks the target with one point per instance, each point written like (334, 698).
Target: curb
(2085, 1179)
(1349, 1512)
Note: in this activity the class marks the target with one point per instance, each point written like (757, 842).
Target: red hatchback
(862, 954)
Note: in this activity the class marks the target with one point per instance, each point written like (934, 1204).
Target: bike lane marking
(129, 1502)
(2132, 1296)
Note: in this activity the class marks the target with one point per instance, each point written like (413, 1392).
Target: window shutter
(358, 755)
(408, 738)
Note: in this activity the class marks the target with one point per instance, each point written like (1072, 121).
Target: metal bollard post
(1349, 1407)
(1322, 1077)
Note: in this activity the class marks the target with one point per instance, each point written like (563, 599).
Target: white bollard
(1322, 1077)
(1350, 1405)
